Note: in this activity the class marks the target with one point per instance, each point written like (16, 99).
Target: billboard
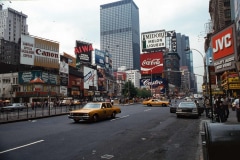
(90, 77)
(154, 83)
(71, 59)
(223, 44)
(102, 82)
(39, 52)
(83, 52)
(120, 76)
(151, 63)
(153, 40)
(173, 40)
(37, 77)
(100, 58)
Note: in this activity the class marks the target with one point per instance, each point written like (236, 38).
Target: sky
(66, 21)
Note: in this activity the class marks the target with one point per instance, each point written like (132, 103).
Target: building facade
(119, 33)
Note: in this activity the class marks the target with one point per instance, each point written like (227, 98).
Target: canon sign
(223, 43)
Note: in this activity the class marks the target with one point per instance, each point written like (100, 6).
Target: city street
(139, 132)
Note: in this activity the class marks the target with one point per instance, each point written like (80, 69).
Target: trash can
(220, 141)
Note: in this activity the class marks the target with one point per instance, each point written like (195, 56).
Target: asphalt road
(138, 133)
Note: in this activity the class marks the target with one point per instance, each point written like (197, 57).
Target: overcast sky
(66, 21)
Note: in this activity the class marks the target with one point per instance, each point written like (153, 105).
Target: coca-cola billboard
(151, 63)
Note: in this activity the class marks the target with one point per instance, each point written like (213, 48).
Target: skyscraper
(120, 35)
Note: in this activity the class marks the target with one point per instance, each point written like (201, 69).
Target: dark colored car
(187, 109)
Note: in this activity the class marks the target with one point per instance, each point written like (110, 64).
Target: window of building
(227, 13)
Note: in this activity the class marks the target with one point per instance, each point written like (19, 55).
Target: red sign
(151, 63)
(223, 43)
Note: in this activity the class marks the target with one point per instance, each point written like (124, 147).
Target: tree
(143, 93)
(129, 91)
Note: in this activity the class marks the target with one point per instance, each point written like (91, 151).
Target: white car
(14, 106)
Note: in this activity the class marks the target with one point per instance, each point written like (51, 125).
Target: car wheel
(76, 121)
(95, 118)
(164, 105)
(149, 104)
(113, 115)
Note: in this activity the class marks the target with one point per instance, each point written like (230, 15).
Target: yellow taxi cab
(156, 102)
(94, 111)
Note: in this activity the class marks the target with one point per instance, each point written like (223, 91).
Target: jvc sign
(223, 44)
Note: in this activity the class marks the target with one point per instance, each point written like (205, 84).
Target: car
(156, 102)
(76, 102)
(13, 107)
(94, 111)
(187, 108)
(66, 102)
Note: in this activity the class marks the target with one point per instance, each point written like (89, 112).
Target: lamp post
(204, 63)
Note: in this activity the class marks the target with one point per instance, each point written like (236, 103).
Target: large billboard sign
(223, 44)
(64, 71)
(83, 52)
(173, 40)
(155, 83)
(37, 77)
(153, 40)
(71, 59)
(151, 63)
(90, 77)
(102, 81)
(39, 52)
(100, 58)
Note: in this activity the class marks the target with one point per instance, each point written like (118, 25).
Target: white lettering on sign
(221, 43)
(224, 63)
(151, 62)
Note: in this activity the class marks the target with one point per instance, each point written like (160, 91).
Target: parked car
(94, 111)
(76, 102)
(187, 108)
(156, 102)
(13, 107)
(66, 102)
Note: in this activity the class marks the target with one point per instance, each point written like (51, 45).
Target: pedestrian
(207, 106)
(237, 108)
(225, 107)
(219, 110)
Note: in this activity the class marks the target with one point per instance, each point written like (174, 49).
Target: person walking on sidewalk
(207, 106)
(237, 108)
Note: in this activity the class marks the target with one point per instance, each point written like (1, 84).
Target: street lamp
(204, 63)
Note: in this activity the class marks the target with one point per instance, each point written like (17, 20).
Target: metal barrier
(33, 113)
(220, 141)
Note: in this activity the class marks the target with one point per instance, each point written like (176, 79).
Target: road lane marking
(21, 146)
(119, 118)
(147, 110)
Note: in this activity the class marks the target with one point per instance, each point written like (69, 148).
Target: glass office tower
(120, 35)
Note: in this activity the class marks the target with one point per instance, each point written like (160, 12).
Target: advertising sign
(223, 44)
(155, 83)
(37, 77)
(120, 76)
(83, 52)
(39, 52)
(27, 50)
(173, 39)
(100, 58)
(71, 59)
(102, 83)
(153, 40)
(151, 63)
(90, 77)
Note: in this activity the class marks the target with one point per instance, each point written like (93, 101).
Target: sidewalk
(232, 119)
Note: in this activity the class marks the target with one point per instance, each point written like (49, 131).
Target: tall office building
(12, 24)
(120, 35)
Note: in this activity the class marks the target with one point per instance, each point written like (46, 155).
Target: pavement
(232, 120)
